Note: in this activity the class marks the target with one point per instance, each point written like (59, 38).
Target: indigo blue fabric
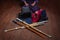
(43, 16)
(32, 8)
(43, 13)
(30, 1)
(27, 20)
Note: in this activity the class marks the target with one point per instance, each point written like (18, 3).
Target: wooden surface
(9, 10)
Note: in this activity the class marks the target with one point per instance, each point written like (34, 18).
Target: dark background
(9, 10)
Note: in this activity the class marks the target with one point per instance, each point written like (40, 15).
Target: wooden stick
(39, 23)
(29, 27)
(16, 28)
(37, 31)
